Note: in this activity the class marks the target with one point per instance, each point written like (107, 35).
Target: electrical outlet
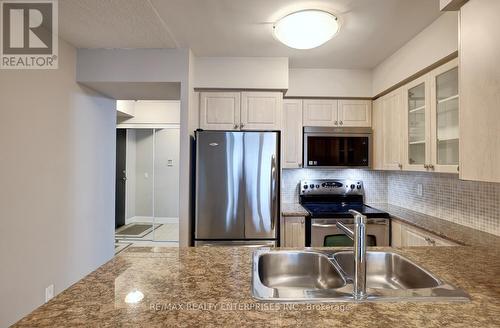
(420, 189)
(49, 293)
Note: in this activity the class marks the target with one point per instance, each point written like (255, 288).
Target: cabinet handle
(242, 125)
(431, 166)
(426, 166)
(341, 123)
(400, 166)
(236, 126)
(336, 122)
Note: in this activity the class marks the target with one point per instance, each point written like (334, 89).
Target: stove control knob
(317, 186)
(353, 186)
(311, 186)
(306, 186)
(359, 187)
(323, 185)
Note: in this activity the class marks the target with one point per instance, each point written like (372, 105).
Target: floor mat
(135, 230)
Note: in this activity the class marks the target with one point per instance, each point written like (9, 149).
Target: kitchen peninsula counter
(210, 287)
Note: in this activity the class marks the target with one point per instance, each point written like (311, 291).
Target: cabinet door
(479, 91)
(295, 232)
(444, 118)
(261, 110)
(392, 122)
(355, 113)
(320, 112)
(396, 229)
(417, 121)
(219, 110)
(411, 236)
(292, 133)
(378, 135)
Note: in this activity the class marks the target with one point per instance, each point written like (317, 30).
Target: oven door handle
(320, 225)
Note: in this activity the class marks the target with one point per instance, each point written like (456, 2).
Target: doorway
(147, 186)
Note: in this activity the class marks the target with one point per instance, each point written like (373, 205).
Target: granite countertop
(210, 287)
(455, 232)
(294, 209)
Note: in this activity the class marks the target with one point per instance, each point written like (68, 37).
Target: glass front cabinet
(431, 111)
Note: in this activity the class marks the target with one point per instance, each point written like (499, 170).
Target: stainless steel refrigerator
(237, 188)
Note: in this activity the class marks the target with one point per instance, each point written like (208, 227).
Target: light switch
(49, 293)
(170, 162)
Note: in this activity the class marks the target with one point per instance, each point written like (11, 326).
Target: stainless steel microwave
(326, 147)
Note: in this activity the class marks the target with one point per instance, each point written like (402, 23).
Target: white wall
(435, 42)
(305, 82)
(153, 65)
(57, 172)
(149, 112)
(241, 72)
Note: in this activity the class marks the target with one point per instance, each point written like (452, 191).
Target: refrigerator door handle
(273, 191)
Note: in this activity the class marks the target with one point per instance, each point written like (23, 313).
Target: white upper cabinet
(480, 91)
(337, 113)
(416, 99)
(219, 110)
(320, 112)
(355, 113)
(392, 125)
(444, 118)
(240, 110)
(388, 131)
(261, 110)
(291, 141)
(378, 135)
(431, 129)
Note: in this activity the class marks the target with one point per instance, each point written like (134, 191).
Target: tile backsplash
(470, 203)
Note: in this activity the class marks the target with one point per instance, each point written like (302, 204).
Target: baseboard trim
(149, 219)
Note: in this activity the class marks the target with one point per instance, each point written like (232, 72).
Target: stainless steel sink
(313, 276)
(298, 270)
(388, 271)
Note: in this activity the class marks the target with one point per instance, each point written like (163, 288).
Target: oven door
(324, 233)
(337, 147)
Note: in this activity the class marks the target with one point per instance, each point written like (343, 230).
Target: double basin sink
(310, 276)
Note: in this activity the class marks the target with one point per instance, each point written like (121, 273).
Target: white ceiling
(371, 29)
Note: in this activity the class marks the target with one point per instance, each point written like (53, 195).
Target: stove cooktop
(341, 210)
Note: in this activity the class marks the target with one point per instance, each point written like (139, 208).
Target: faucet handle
(358, 216)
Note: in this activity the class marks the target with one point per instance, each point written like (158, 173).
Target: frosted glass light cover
(306, 29)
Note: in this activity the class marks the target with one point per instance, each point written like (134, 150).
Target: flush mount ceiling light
(306, 29)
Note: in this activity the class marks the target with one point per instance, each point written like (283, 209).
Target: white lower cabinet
(404, 235)
(294, 231)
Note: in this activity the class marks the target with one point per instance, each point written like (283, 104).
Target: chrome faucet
(359, 238)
